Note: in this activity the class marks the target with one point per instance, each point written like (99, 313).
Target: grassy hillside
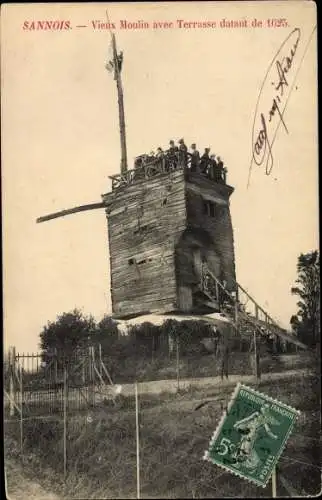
(174, 436)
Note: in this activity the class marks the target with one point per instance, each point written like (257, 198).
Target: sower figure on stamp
(249, 428)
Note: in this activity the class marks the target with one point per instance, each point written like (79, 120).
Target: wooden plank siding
(144, 221)
(154, 224)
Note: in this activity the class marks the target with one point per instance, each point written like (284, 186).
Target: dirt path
(159, 386)
(19, 487)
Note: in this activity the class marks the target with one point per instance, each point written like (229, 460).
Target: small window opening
(131, 262)
(144, 261)
(210, 208)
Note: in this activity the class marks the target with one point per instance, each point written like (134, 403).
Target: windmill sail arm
(62, 213)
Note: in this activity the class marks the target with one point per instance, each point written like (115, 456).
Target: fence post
(12, 369)
(274, 483)
(94, 378)
(137, 441)
(170, 345)
(90, 373)
(177, 362)
(83, 367)
(56, 366)
(255, 355)
(65, 421)
(100, 359)
(91, 387)
(21, 412)
(152, 353)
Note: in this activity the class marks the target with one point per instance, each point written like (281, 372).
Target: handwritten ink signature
(266, 125)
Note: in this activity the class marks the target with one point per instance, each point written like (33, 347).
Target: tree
(306, 323)
(69, 331)
(106, 333)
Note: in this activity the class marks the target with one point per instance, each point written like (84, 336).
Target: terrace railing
(148, 167)
(145, 170)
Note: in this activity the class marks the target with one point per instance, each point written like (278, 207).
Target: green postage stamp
(251, 435)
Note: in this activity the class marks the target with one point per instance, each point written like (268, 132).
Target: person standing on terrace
(221, 170)
(204, 161)
(194, 158)
(173, 149)
(172, 156)
(212, 167)
(183, 156)
(160, 157)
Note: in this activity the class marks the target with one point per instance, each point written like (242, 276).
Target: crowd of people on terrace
(178, 156)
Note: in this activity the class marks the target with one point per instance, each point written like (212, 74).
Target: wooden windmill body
(162, 226)
(162, 230)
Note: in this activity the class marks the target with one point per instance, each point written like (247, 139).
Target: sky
(60, 142)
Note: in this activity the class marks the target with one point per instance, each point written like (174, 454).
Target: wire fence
(34, 386)
(71, 415)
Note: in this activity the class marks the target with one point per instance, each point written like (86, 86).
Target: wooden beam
(62, 213)
(117, 77)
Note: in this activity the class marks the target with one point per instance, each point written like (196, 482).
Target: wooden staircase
(249, 318)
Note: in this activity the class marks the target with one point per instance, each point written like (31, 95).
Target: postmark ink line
(289, 459)
(305, 436)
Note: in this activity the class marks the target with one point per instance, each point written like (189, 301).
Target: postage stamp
(251, 435)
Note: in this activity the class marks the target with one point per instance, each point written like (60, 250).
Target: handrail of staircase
(268, 318)
(251, 319)
(245, 316)
(235, 300)
(206, 270)
(258, 307)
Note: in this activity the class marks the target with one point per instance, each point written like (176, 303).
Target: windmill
(170, 239)
(151, 232)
